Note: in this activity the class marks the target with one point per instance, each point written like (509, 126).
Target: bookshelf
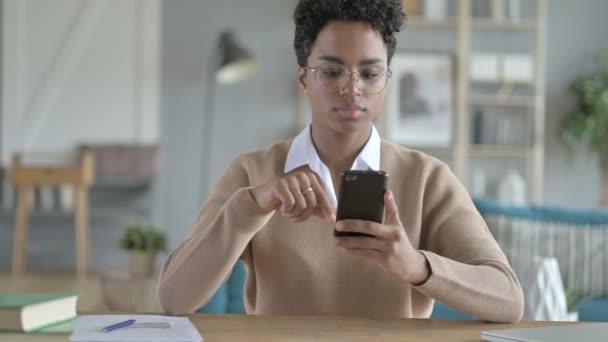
(492, 24)
(420, 22)
(518, 101)
(493, 151)
(521, 100)
(97, 213)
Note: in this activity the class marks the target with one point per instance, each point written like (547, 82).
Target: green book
(64, 327)
(36, 312)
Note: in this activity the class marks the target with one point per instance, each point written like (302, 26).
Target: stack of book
(6, 190)
(42, 198)
(36, 312)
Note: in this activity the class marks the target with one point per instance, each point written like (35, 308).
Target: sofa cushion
(217, 304)
(228, 299)
(594, 310)
(236, 286)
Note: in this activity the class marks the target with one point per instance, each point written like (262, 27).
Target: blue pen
(118, 325)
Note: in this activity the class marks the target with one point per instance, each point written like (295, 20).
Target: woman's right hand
(297, 195)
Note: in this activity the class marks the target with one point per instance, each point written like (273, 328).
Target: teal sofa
(229, 298)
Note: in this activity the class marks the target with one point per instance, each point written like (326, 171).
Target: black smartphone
(361, 197)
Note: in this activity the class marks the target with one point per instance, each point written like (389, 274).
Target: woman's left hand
(389, 248)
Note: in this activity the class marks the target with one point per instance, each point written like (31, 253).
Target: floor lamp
(229, 63)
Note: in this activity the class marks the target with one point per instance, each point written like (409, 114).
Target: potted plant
(588, 122)
(143, 242)
(574, 299)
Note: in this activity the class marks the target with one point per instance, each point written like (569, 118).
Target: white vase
(512, 189)
(435, 9)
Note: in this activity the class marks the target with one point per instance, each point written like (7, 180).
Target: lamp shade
(236, 63)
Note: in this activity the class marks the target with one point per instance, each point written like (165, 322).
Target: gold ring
(307, 190)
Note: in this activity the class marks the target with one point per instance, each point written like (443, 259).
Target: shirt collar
(302, 152)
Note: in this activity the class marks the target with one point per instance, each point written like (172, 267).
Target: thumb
(391, 212)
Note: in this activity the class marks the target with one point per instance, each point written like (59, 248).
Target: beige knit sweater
(294, 269)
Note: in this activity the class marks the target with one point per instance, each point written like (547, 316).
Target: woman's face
(350, 46)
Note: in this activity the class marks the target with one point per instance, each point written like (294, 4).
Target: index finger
(323, 201)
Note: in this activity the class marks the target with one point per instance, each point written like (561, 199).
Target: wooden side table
(81, 177)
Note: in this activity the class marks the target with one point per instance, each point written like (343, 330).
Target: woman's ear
(302, 79)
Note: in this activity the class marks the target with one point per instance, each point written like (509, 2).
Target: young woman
(275, 208)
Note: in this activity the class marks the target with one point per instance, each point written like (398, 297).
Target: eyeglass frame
(387, 73)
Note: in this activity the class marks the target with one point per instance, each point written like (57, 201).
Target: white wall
(250, 114)
(79, 71)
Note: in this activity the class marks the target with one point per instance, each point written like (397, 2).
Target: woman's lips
(350, 111)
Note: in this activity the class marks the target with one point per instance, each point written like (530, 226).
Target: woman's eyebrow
(338, 60)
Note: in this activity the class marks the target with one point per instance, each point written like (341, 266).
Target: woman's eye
(331, 73)
(370, 74)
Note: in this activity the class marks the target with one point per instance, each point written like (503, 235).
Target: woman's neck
(338, 150)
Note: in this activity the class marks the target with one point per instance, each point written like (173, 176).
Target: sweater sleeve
(226, 223)
(469, 272)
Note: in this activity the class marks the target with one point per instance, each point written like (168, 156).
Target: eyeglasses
(370, 80)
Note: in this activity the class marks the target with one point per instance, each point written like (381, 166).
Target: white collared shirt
(303, 152)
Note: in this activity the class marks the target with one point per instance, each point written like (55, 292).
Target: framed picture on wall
(419, 100)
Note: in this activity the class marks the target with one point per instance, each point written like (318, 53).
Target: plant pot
(141, 264)
(572, 316)
(604, 200)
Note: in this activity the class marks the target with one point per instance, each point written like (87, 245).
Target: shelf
(499, 151)
(526, 102)
(433, 150)
(422, 22)
(501, 83)
(488, 23)
(95, 214)
(121, 183)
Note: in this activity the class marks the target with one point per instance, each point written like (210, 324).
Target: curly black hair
(311, 16)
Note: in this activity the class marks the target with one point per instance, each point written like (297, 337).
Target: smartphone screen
(361, 197)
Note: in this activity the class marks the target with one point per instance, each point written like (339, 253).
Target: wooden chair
(80, 177)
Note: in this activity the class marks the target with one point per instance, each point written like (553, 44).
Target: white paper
(89, 329)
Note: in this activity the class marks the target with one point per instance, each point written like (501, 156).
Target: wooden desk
(231, 328)
(223, 328)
